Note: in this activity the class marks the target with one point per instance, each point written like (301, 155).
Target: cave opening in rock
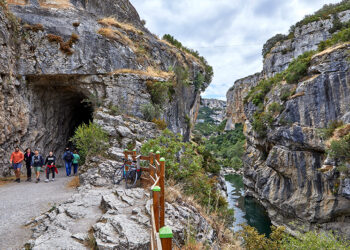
(57, 109)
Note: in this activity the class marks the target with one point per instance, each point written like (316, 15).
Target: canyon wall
(287, 169)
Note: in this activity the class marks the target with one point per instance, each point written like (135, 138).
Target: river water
(247, 209)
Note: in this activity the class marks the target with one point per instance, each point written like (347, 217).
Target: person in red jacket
(16, 160)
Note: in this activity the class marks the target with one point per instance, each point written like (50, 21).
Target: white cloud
(229, 34)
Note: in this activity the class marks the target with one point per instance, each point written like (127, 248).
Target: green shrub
(280, 240)
(150, 111)
(341, 36)
(275, 108)
(340, 149)
(286, 93)
(209, 72)
(89, 139)
(258, 93)
(182, 76)
(297, 69)
(314, 240)
(113, 110)
(337, 24)
(199, 81)
(272, 42)
(160, 91)
(327, 132)
(184, 164)
(325, 12)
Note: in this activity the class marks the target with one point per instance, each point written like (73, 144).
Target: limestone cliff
(287, 168)
(217, 109)
(63, 60)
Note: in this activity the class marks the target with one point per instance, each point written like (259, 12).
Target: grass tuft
(34, 27)
(74, 183)
(151, 72)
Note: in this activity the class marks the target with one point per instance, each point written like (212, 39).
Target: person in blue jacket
(68, 159)
(37, 164)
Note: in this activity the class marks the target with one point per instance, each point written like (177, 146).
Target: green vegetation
(150, 111)
(258, 93)
(297, 69)
(341, 36)
(185, 165)
(228, 147)
(325, 12)
(280, 240)
(160, 91)
(209, 73)
(327, 132)
(340, 149)
(272, 42)
(222, 149)
(89, 139)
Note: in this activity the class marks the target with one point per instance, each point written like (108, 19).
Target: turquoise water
(247, 209)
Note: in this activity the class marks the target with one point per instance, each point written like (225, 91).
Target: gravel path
(20, 202)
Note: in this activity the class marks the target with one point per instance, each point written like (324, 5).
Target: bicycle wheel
(118, 175)
(131, 178)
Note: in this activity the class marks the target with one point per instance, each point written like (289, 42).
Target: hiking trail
(21, 202)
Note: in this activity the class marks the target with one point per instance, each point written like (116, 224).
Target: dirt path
(20, 202)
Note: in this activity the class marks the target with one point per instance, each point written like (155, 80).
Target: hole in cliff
(56, 111)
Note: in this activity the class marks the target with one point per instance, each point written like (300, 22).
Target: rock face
(218, 108)
(47, 89)
(282, 169)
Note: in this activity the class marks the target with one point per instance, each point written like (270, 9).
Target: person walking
(28, 155)
(37, 164)
(76, 159)
(50, 163)
(68, 158)
(16, 160)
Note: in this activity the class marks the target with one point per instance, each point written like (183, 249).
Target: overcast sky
(228, 33)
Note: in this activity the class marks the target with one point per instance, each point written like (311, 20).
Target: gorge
(286, 164)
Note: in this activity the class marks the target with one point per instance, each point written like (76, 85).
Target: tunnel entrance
(57, 109)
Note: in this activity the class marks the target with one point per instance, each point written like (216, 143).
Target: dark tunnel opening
(56, 111)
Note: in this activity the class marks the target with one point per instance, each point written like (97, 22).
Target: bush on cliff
(297, 69)
(340, 37)
(184, 164)
(324, 13)
(89, 139)
(209, 73)
(272, 42)
(280, 240)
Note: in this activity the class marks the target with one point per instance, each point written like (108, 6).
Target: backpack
(68, 157)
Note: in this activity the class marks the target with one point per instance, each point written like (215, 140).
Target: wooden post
(155, 193)
(162, 196)
(166, 236)
(157, 158)
(134, 155)
(126, 157)
(151, 162)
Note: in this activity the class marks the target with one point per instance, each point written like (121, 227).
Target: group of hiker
(36, 161)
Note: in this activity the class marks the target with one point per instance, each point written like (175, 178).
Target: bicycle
(131, 175)
(120, 172)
